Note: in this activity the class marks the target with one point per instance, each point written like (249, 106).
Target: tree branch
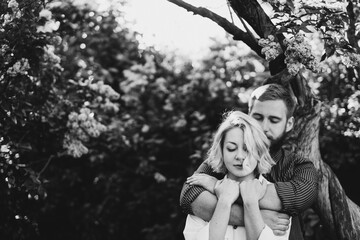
(252, 12)
(237, 33)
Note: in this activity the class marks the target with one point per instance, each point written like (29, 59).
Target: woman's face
(236, 157)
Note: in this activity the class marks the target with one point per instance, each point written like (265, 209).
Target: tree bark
(339, 215)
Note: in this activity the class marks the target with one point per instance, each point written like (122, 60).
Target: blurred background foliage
(98, 133)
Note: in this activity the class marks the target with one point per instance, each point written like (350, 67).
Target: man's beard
(277, 143)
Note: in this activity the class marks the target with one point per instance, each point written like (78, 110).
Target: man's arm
(298, 193)
(199, 202)
(190, 192)
(204, 205)
(271, 200)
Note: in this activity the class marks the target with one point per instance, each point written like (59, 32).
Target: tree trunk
(339, 215)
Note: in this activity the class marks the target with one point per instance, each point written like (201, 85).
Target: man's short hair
(274, 91)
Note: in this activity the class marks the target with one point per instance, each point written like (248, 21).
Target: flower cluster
(4, 49)
(104, 90)
(74, 147)
(159, 178)
(20, 67)
(270, 48)
(298, 54)
(106, 105)
(354, 101)
(45, 13)
(50, 24)
(81, 127)
(278, 4)
(15, 12)
(334, 5)
(50, 56)
(350, 59)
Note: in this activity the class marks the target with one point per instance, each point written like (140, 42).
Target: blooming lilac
(20, 67)
(270, 48)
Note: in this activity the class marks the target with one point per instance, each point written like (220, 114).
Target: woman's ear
(290, 124)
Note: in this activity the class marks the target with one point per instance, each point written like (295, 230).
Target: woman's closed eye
(231, 149)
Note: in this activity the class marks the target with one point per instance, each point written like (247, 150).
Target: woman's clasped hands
(227, 190)
(250, 190)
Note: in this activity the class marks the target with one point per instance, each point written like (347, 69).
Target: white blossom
(81, 127)
(353, 101)
(298, 54)
(159, 177)
(270, 48)
(49, 54)
(50, 26)
(105, 90)
(334, 5)
(45, 13)
(20, 67)
(74, 147)
(13, 4)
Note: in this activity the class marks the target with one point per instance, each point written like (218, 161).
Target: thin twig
(228, 5)
(46, 165)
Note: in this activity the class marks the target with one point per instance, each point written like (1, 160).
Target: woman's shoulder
(263, 179)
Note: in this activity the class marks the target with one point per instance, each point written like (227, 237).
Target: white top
(198, 229)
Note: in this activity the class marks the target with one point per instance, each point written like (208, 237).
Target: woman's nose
(240, 156)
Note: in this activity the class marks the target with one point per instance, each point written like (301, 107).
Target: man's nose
(265, 125)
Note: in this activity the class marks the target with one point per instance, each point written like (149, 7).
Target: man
(294, 177)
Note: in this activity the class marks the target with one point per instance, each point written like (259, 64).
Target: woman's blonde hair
(255, 140)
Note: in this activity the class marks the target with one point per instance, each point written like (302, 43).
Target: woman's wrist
(250, 201)
(224, 201)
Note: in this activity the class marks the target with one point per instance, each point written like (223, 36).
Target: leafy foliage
(98, 134)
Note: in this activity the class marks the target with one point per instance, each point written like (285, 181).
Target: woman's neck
(241, 179)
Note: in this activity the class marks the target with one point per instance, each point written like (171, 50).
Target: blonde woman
(240, 151)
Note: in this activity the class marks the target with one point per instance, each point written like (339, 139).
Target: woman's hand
(252, 190)
(227, 190)
(204, 180)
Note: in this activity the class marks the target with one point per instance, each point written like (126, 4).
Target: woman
(240, 150)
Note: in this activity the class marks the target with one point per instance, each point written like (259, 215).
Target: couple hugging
(249, 187)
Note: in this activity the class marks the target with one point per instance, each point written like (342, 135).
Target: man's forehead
(256, 94)
(275, 108)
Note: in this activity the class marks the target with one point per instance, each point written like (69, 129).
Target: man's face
(271, 115)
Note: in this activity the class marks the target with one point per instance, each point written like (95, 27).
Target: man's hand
(278, 222)
(204, 180)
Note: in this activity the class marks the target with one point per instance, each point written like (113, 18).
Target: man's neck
(276, 153)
